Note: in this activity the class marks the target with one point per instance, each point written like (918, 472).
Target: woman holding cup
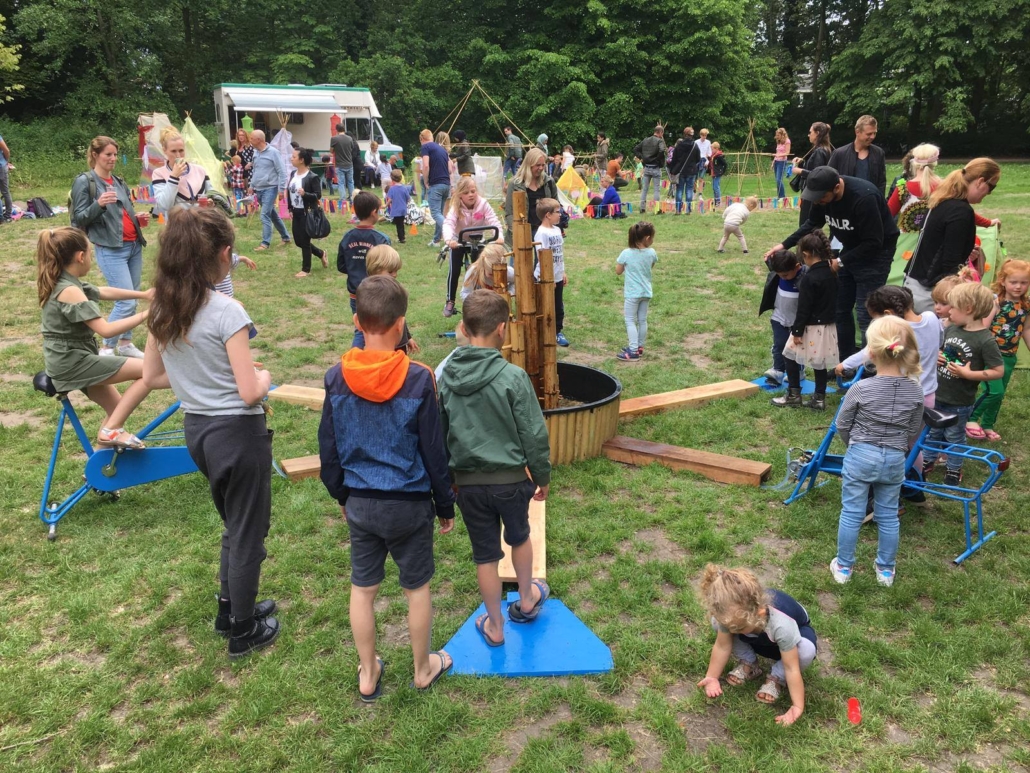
(101, 205)
(178, 182)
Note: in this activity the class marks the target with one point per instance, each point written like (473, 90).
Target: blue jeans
(358, 342)
(651, 174)
(851, 295)
(779, 169)
(511, 165)
(780, 336)
(635, 311)
(270, 216)
(437, 195)
(685, 183)
(717, 189)
(345, 183)
(955, 434)
(121, 267)
(882, 469)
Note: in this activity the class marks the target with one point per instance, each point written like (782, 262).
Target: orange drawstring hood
(374, 375)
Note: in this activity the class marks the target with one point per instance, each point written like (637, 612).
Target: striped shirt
(225, 286)
(882, 411)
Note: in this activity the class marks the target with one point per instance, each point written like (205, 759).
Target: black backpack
(40, 208)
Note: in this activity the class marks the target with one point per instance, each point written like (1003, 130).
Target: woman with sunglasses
(949, 231)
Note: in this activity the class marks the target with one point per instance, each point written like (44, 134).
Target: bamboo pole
(525, 294)
(518, 344)
(548, 331)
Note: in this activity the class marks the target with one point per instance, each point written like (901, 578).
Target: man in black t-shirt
(858, 217)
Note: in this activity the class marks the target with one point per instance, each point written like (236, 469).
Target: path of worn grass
(107, 651)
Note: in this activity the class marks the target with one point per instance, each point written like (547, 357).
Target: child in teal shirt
(635, 264)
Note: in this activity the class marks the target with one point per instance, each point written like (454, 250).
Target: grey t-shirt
(198, 367)
(781, 629)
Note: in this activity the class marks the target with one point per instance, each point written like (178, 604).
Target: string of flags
(699, 205)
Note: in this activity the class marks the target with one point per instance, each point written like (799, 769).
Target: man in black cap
(859, 219)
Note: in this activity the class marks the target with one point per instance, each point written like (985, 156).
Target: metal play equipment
(806, 467)
(108, 470)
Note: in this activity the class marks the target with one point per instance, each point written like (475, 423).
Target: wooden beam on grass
(538, 538)
(723, 469)
(302, 467)
(685, 398)
(309, 397)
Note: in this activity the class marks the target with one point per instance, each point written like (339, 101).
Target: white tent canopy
(283, 101)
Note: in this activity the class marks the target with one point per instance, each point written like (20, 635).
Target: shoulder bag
(316, 223)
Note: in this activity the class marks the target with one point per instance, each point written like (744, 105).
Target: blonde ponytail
(891, 340)
(481, 273)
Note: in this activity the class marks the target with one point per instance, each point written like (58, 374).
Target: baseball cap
(821, 181)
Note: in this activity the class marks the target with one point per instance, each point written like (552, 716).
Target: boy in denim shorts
(383, 459)
(494, 430)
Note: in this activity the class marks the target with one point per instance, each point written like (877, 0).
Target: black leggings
(794, 377)
(454, 272)
(302, 240)
(559, 305)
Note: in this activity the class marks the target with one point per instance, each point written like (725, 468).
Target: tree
(9, 59)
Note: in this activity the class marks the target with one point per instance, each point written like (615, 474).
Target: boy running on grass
(494, 430)
(383, 459)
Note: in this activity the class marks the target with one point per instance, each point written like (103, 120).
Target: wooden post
(548, 331)
(517, 334)
(525, 293)
(500, 280)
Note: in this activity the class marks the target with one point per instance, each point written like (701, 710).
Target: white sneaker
(840, 574)
(130, 350)
(884, 577)
(106, 351)
(774, 376)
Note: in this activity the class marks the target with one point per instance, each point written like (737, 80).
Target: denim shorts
(401, 528)
(485, 508)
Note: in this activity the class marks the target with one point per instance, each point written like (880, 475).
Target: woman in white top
(305, 189)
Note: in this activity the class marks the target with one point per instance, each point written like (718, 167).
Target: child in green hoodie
(494, 429)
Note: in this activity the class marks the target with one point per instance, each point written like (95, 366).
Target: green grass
(107, 656)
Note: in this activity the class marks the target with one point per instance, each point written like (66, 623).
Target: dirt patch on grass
(12, 419)
(296, 343)
(396, 634)
(987, 757)
(313, 300)
(828, 603)
(827, 663)
(647, 751)
(181, 641)
(16, 340)
(630, 695)
(15, 378)
(80, 660)
(697, 347)
(661, 547)
(896, 735)
(680, 691)
(517, 740)
(702, 730)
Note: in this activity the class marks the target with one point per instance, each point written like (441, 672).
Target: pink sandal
(992, 436)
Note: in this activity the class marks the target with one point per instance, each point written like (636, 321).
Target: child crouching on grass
(751, 621)
(733, 218)
(635, 263)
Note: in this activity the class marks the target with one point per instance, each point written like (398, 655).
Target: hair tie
(892, 346)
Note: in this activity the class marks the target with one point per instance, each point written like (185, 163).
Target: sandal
(771, 689)
(515, 613)
(744, 672)
(324, 259)
(377, 693)
(119, 438)
(992, 436)
(261, 247)
(975, 433)
(444, 668)
(481, 627)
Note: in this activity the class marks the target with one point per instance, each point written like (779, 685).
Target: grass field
(108, 660)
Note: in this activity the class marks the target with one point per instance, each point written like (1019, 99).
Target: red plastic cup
(854, 711)
(144, 218)
(203, 201)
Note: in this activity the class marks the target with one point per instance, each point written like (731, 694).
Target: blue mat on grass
(556, 644)
(807, 387)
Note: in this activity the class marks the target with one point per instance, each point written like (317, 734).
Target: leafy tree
(9, 58)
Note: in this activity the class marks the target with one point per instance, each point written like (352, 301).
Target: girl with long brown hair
(199, 341)
(71, 317)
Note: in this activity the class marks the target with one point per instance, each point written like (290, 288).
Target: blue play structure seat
(807, 467)
(108, 470)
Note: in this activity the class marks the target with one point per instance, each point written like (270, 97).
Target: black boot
(223, 623)
(790, 400)
(251, 634)
(818, 401)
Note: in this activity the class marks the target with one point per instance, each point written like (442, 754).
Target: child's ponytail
(816, 244)
(639, 232)
(891, 340)
(889, 298)
(481, 273)
(55, 249)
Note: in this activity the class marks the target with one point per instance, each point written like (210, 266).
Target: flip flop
(108, 438)
(325, 259)
(515, 613)
(975, 433)
(481, 627)
(992, 436)
(377, 693)
(441, 672)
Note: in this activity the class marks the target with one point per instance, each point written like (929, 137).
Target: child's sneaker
(640, 350)
(928, 468)
(562, 340)
(774, 376)
(627, 355)
(884, 577)
(952, 477)
(840, 574)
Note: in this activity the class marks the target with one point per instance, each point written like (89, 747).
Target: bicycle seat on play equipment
(938, 419)
(41, 383)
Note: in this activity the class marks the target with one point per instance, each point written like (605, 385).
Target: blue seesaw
(109, 470)
(805, 469)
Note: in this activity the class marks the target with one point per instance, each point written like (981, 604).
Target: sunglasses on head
(991, 186)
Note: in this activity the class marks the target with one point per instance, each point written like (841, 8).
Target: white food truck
(309, 112)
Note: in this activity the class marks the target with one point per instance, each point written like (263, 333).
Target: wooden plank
(723, 469)
(302, 467)
(537, 536)
(683, 398)
(309, 397)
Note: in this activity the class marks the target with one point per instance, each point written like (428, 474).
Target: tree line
(951, 71)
